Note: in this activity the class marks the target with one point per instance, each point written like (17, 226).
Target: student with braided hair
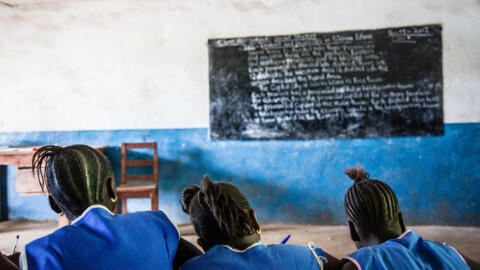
(80, 184)
(378, 230)
(229, 234)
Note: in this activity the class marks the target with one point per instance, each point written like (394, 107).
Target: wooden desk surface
(22, 155)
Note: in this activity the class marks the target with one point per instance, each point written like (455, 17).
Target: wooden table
(26, 184)
(20, 155)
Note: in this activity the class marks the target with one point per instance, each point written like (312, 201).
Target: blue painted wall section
(436, 178)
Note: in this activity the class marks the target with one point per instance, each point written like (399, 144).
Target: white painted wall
(77, 65)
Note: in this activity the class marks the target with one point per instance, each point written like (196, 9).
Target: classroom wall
(105, 72)
(94, 65)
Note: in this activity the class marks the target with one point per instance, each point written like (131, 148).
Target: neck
(245, 242)
(378, 238)
(71, 217)
(390, 235)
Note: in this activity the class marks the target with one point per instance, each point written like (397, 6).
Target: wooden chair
(129, 189)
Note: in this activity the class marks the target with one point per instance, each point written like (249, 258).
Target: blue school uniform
(259, 256)
(409, 251)
(100, 240)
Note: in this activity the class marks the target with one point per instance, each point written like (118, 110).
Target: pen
(284, 241)
(15, 245)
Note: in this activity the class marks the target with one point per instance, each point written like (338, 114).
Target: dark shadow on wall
(271, 202)
(3, 193)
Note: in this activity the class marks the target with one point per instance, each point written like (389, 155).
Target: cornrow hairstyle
(76, 177)
(370, 203)
(219, 211)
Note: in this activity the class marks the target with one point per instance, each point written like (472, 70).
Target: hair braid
(218, 211)
(41, 159)
(370, 203)
(76, 177)
(350, 208)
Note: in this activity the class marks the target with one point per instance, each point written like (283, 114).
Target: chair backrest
(125, 163)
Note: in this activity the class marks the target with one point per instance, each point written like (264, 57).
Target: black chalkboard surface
(355, 84)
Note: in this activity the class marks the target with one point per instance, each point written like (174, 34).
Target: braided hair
(370, 203)
(219, 211)
(75, 177)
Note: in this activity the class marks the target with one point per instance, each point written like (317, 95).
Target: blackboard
(353, 84)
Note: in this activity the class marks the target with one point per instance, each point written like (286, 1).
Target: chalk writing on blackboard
(374, 83)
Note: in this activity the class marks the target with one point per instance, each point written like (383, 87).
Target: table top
(22, 155)
(29, 150)
(18, 150)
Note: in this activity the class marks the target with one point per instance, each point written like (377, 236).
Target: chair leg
(155, 201)
(124, 206)
(115, 210)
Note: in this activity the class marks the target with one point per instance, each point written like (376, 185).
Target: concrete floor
(333, 239)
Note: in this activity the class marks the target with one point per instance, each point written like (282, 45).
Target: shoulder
(310, 250)
(51, 239)
(369, 253)
(364, 252)
(161, 214)
(360, 257)
(158, 223)
(308, 256)
(43, 252)
(292, 250)
(159, 217)
(288, 247)
(447, 251)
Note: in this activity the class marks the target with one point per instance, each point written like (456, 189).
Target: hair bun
(357, 174)
(206, 182)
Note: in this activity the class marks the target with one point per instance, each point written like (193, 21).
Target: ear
(353, 232)
(253, 216)
(204, 244)
(112, 189)
(402, 222)
(54, 205)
